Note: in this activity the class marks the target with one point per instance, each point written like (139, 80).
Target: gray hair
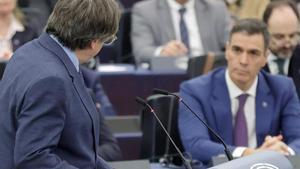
(76, 23)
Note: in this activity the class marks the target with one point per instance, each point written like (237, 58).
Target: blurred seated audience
(108, 146)
(92, 80)
(241, 9)
(178, 28)
(251, 110)
(298, 5)
(15, 28)
(282, 19)
(44, 8)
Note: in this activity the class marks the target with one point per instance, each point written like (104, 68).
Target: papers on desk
(115, 68)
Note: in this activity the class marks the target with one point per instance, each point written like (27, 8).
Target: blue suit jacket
(47, 118)
(277, 111)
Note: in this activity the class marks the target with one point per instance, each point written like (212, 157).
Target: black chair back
(121, 50)
(155, 143)
(125, 30)
(203, 64)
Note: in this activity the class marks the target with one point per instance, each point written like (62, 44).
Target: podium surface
(262, 160)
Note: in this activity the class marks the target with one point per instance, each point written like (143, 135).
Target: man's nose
(244, 58)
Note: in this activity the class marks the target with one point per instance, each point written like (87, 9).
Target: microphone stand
(145, 104)
(226, 150)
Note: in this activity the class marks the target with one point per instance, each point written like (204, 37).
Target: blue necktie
(240, 127)
(184, 34)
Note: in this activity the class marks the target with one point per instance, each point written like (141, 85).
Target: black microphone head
(141, 101)
(160, 91)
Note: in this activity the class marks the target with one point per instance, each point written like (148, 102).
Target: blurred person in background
(242, 9)
(252, 110)
(282, 19)
(15, 28)
(168, 28)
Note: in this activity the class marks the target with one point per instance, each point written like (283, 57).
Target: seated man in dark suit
(250, 109)
(108, 146)
(92, 80)
(282, 19)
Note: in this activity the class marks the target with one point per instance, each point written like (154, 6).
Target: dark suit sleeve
(290, 118)
(194, 135)
(40, 124)
(108, 147)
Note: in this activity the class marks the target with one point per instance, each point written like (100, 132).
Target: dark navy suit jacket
(277, 111)
(47, 118)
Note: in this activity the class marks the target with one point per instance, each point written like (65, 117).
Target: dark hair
(276, 4)
(251, 27)
(76, 23)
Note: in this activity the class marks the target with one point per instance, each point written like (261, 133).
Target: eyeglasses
(111, 40)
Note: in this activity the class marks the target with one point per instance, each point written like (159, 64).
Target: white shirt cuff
(238, 152)
(291, 151)
(158, 51)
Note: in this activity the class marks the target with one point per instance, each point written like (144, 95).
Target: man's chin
(285, 55)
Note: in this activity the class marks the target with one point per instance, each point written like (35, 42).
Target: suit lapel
(165, 20)
(202, 14)
(263, 102)
(221, 106)
(88, 104)
(47, 42)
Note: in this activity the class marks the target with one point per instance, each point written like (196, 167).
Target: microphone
(226, 150)
(145, 104)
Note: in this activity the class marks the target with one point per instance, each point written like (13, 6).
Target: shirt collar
(176, 6)
(235, 91)
(71, 54)
(271, 57)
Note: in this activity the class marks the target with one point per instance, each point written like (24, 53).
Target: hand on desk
(274, 143)
(174, 48)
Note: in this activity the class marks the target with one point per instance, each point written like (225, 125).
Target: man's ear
(93, 44)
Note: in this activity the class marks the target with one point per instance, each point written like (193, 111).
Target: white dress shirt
(273, 67)
(196, 47)
(249, 109)
(6, 41)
